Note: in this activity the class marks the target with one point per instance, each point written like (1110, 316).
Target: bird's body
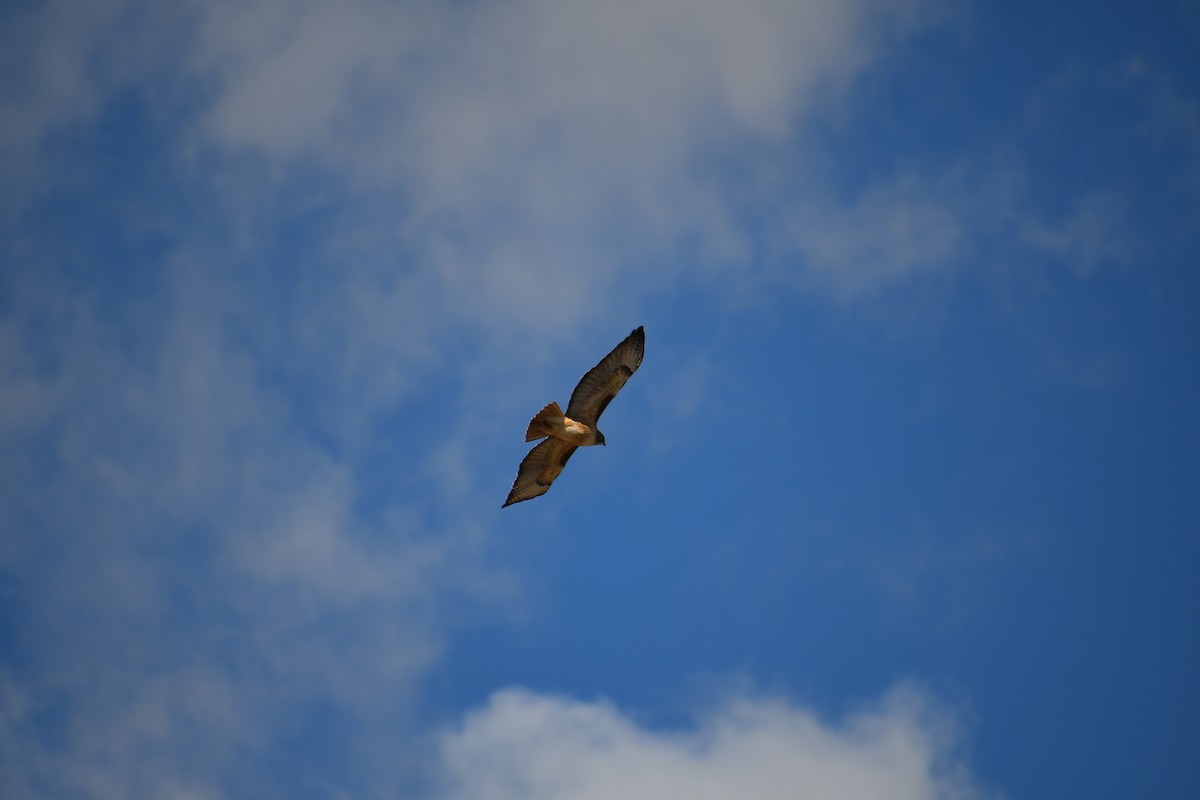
(576, 427)
(551, 421)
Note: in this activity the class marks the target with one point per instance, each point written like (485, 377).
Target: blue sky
(901, 503)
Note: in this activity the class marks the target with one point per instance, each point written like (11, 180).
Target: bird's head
(599, 438)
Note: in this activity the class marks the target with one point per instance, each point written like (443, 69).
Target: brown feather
(602, 382)
(538, 470)
(537, 428)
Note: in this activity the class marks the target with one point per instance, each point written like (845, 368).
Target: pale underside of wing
(600, 385)
(538, 470)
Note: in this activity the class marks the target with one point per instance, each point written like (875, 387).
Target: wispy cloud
(542, 149)
(197, 575)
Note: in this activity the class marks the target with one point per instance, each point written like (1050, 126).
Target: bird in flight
(577, 427)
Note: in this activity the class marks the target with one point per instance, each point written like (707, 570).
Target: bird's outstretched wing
(538, 470)
(600, 385)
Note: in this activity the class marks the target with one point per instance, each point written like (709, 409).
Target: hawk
(577, 427)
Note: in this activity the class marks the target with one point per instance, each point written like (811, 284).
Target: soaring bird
(577, 427)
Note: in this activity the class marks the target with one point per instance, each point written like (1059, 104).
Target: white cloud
(46, 78)
(534, 747)
(897, 230)
(540, 149)
(478, 88)
(196, 576)
(494, 155)
(1092, 233)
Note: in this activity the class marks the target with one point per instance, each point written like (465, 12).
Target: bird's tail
(537, 425)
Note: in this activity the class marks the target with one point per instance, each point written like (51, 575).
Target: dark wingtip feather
(639, 336)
